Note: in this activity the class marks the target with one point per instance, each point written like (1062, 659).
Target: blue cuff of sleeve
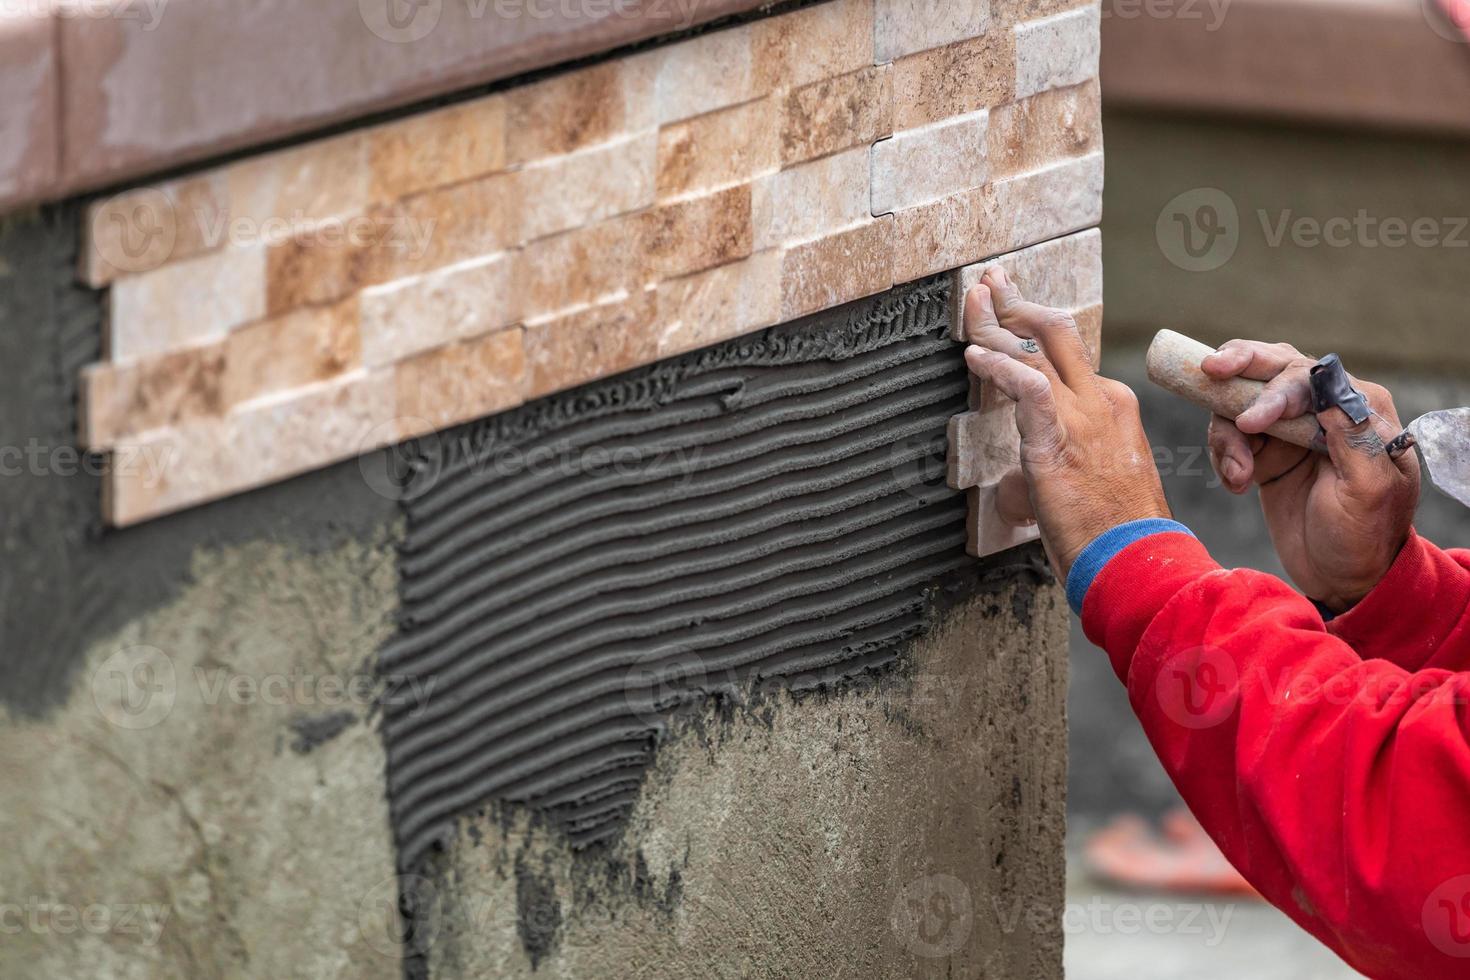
(1105, 547)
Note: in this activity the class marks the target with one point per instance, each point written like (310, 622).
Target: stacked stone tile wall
(294, 309)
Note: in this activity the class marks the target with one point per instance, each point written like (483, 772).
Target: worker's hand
(1087, 464)
(1337, 522)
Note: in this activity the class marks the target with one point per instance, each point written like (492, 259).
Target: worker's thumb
(1359, 453)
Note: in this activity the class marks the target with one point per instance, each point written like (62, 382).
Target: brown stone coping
(1381, 63)
(94, 98)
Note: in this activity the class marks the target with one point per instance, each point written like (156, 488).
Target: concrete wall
(193, 781)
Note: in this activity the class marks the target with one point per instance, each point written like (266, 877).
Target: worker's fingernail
(1231, 470)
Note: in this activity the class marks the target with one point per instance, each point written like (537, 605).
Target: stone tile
(442, 227)
(184, 303)
(1001, 217)
(830, 271)
(460, 382)
(836, 114)
(954, 80)
(577, 109)
(446, 146)
(718, 304)
(598, 342)
(821, 41)
(583, 188)
(29, 77)
(697, 233)
(581, 267)
(918, 166)
(731, 146)
(408, 316)
(1040, 130)
(986, 533)
(812, 199)
(904, 27)
(1090, 325)
(1014, 12)
(705, 73)
(267, 441)
(301, 186)
(125, 400)
(1064, 272)
(983, 447)
(1057, 51)
(139, 230)
(294, 350)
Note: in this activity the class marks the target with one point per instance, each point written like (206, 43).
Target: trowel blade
(1444, 439)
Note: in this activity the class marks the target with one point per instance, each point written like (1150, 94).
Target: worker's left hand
(1087, 464)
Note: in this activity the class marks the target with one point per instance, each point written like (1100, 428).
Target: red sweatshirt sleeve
(1339, 786)
(1419, 615)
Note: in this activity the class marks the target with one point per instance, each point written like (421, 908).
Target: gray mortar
(906, 826)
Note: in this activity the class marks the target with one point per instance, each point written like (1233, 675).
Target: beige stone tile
(842, 267)
(425, 232)
(1090, 325)
(918, 166)
(597, 342)
(945, 82)
(1045, 128)
(1001, 217)
(460, 382)
(812, 199)
(983, 447)
(405, 317)
(718, 149)
(583, 188)
(293, 350)
(697, 233)
(905, 27)
(986, 533)
(705, 73)
(1019, 11)
(578, 108)
(1057, 51)
(123, 400)
(836, 114)
(265, 442)
(580, 267)
(140, 230)
(185, 303)
(718, 304)
(1064, 272)
(30, 77)
(824, 40)
(445, 146)
(300, 186)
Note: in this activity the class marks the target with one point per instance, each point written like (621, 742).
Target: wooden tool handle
(1173, 364)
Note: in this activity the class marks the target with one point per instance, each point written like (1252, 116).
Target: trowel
(1443, 438)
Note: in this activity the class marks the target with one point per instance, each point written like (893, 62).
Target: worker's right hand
(1339, 521)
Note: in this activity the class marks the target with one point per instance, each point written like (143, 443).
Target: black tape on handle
(1331, 388)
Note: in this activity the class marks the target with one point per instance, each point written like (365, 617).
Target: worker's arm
(1364, 564)
(1339, 786)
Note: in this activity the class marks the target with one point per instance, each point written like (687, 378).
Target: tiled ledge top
(102, 91)
(1396, 64)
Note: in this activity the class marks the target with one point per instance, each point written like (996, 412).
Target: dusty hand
(1337, 522)
(1087, 464)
